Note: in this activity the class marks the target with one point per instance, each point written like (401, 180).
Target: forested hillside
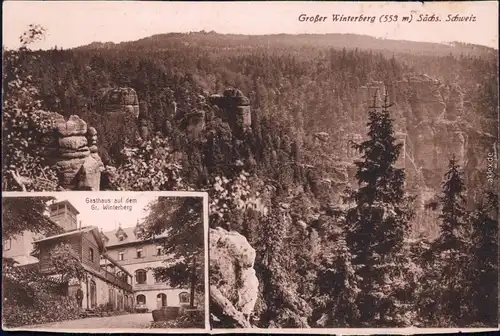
(281, 181)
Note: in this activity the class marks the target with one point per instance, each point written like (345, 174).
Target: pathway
(107, 322)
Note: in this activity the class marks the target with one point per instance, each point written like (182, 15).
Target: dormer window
(120, 238)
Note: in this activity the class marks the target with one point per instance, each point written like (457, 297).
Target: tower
(64, 214)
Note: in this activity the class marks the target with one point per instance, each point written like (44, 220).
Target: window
(140, 277)
(139, 253)
(140, 299)
(120, 238)
(159, 250)
(121, 256)
(7, 244)
(184, 297)
(91, 254)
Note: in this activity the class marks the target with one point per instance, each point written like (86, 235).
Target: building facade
(139, 257)
(102, 286)
(118, 264)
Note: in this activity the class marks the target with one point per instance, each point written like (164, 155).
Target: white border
(352, 331)
(135, 194)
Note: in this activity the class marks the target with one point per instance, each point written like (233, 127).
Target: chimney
(79, 225)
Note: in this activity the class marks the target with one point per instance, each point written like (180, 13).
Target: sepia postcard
(246, 167)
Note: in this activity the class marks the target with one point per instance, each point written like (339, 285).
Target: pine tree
(451, 254)
(378, 221)
(453, 213)
(483, 274)
(336, 287)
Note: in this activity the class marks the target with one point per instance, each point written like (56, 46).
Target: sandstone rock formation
(70, 147)
(119, 100)
(431, 125)
(119, 111)
(235, 107)
(232, 277)
(195, 124)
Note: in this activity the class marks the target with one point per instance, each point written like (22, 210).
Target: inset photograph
(96, 261)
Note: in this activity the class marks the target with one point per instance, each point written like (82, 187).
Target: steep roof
(129, 236)
(92, 229)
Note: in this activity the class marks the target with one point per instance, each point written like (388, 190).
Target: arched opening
(120, 302)
(93, 294)
(140, 276)
(140, 300)
(161, 300)
(112, 301)
(130, 301)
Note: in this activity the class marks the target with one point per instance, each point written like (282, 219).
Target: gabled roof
(91, 229)
(24, 260)
(121, 232)
(130, 237)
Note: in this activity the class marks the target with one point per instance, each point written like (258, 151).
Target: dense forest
(282, 183)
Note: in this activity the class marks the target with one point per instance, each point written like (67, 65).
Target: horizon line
(442, 43)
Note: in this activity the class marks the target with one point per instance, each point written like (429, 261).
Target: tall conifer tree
(378, 221)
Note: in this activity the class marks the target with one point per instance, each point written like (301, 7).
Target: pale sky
(108, 219)
(76, 23)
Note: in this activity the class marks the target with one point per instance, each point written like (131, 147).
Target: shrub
(49, 309)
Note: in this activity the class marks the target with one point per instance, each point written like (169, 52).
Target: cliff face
(434, 119)
(235, 108)
(118, 110)
(119, 100)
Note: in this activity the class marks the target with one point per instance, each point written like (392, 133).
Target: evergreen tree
(448, 285)
(483, 266)
(378, 222)
(337, 287)
(453, 213)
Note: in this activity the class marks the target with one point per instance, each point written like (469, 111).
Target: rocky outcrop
(232, 274)
(430, 124)
(195, 124)
(70, 147)
(119, 100)
(119, 112)
(425, 97)
(235, 107)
